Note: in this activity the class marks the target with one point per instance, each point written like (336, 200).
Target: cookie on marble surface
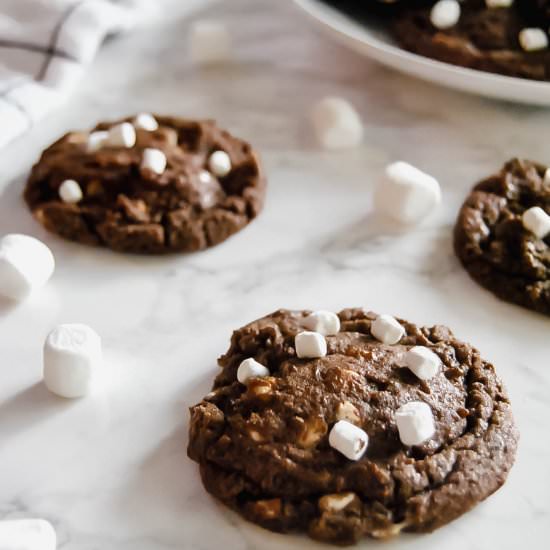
(493, 243)
(147, 185)
(314, 444)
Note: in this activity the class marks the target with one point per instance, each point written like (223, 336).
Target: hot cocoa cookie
(352, 425)
(147, 185)
(502, 235)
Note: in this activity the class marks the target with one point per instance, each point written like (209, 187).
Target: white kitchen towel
(44, 47)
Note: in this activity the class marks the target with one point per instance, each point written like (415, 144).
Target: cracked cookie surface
(263, 448)
(132, 209)
(491, 242)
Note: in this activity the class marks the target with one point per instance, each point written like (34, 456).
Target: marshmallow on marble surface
(27, 534)
(154, 160)
(348, 439)
(533, 39)
(445, 14)
(72, 360)
(210, 43)
(387, 329)
(146, 121)
(326, 323)
(310, 345)
(337, 124)
(219, 163)
(26, 264)
(537, 221)
(407, 194)
(415, 422)
(423, 362)
(70, 192)
(96, 140)
(250, 368)
(498, 3)
(121, 135)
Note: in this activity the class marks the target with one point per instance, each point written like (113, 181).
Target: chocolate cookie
(147, 185)
(271, 447)
(495, 247)
(484, 38)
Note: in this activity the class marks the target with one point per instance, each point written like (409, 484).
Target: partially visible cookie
(149, 186)
(299, 436)
(494, 245)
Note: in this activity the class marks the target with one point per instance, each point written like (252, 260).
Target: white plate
(375, 43)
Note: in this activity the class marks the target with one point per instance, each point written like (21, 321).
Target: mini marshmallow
(423, 362)
(498, 3)
(310, 345)
(27, 534)
(407, 194)
(72, 359)
(205, 177)
(250, 368)
(537, 221)
(70, 192)
(415, 422)
(26, 264)
(533, 39)
(145, 121)
(210, 42)
(386, 329)
(337, 124)
(348, 439)
(219, 163)
(154, 160)
(326, 323)
(96, 140)
(445, 14)
(121, 135)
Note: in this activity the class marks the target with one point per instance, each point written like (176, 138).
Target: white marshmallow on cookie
(27, 534)
(96, 140)
(326, 323)
(537, 221)
(415, 423)
(445, 14)
(70, 192)
(121, 135)
(250, 368)
(72, 360)
(210, 43)
(219, 164)
(146, 121)
(310, 345)
(423, 362)
(26, 264)
(533, 39)
(407, 194)
(387, 329)
(154, 160)
(348, 439)
(336, 123)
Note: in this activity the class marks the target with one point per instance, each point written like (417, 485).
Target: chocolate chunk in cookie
(352, 443)
(145, 185)
(494, 240)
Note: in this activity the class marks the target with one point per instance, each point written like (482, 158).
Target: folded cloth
(44, 47)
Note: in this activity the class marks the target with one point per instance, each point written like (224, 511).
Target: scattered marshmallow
(27, 534)
(310, 345)
(445, 14)
(72, 360)
(154, 160)
(537, 221)
(407, 194)
(348, 439)
(70, 192)
(326, 323)
(146, 121)
(387, 329)
(210, 43)
(415, 422)
(250, 368)
(219, 163)
(26, 264)
(423, 362)
(205, 177)
(337, 124)
(498, 3)
(121, 135)
(533, 39)
(96, 140)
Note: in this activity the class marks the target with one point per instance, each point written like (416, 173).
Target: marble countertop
(110, 471)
